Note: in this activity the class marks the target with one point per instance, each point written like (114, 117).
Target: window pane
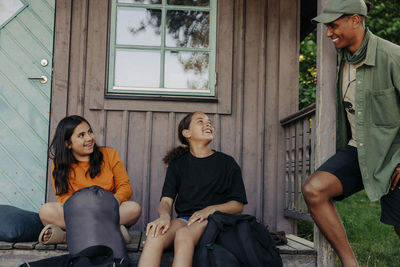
(140, 1)
(8, 8)
(137, 68)
(189, 2)
(187, 28)
(186, 70)
(138, 26)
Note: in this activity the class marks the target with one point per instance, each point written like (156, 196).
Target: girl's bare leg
(129, 212)
(186, 239)
(154, 246)
(51, 213)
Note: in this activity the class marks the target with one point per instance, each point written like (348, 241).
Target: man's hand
(395, 177)
(201, 215)
(159, 226)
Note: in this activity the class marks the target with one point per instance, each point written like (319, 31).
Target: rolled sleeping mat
(92, 218)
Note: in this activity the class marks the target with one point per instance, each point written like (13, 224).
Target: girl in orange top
(78, 163)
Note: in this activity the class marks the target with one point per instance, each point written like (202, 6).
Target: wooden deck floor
(297, 253)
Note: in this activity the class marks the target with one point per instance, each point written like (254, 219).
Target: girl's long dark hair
(180, 150)
(62, 156)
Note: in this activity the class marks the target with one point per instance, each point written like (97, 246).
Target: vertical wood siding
(261, 37)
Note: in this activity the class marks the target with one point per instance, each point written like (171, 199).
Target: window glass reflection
(138, 26)
(189, 2)
(8, 8)
(186, 70)
(140, 1)
(137, 68)
(187, 28)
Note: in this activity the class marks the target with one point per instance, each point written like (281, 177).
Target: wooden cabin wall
(257, 64)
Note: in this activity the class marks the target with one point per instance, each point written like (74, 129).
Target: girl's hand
(159, 226)
(201, 215)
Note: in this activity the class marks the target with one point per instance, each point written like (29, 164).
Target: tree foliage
(307, 59)
(383, 20)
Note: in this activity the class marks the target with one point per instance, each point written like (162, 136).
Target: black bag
(95, 256)
(235, 240)
(92, 218)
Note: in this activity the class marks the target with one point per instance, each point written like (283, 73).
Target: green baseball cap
(334, 9)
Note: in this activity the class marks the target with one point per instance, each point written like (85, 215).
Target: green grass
(374, 243)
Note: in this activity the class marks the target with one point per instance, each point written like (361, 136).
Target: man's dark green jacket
(377, 106)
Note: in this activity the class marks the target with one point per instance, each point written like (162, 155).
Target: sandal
(57, 235)
(125, 234)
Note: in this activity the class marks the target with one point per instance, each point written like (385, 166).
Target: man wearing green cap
(368, 124)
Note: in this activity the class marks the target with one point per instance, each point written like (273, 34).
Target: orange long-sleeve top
(112, 178)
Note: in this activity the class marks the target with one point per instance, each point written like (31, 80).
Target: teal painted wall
(25, 41)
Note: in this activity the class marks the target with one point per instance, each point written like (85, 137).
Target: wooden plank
(62, 246)
(300, 240)
(60, 74)
(326, 122)
(16, 257)
(297, 260)
(261, 115)
(5, 245)
(238, 78)
(136, 164)
(114, 131)
(224, 57)
(97, 53)
(146, 201)
(77, 60)
(252, 105)
(274, 160)
(159, 141)
(305, 168)
(300, 249)
(41, 246)
(43, 12)
(19, 149)
(157, 105)
(38, 30)
(25, 245)
(216, 120)
(297, 177)
(22, 131)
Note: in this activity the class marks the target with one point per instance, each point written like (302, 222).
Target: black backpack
(235, 241)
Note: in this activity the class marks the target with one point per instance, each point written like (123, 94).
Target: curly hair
(180, 150)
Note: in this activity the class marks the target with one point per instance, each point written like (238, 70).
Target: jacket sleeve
(123, 189)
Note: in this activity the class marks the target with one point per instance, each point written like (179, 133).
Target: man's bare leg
(318, 190)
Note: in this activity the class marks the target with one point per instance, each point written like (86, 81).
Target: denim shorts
(184, 218)
(344, 165)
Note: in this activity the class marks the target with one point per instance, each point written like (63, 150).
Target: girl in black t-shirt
(200, 181)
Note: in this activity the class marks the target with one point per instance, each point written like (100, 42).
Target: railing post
(326, 123)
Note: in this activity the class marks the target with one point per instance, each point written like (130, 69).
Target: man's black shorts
(344, 165)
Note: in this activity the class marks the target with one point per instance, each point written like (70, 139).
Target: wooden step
(297, 253)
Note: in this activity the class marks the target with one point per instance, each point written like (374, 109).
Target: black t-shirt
(200, 182)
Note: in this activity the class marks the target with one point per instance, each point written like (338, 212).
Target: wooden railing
(299, 134)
